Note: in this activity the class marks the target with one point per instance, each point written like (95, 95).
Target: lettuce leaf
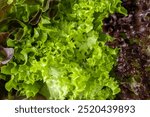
(64, 56)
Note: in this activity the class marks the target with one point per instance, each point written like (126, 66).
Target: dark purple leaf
(36, 18)
(132, 36)
(3, 37)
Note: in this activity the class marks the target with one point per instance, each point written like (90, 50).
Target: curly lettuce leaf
(63, 57)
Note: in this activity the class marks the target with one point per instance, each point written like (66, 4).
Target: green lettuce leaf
(62, 57)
